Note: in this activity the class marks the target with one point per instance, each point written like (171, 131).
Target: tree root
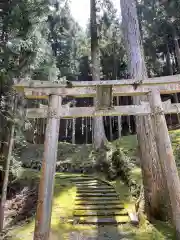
(140, 205)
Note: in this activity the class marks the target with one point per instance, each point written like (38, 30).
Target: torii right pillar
(166, 156)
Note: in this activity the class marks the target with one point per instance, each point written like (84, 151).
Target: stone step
(99, 207)
(82, 177)
(93, 186)
(85, 180)
(79, 186)
(77, 179)
(102, 220)
(99, 203)
(106, 212)
(89, 184)
(96, 190)
(100, 199)
(102, 195)
(89, 179)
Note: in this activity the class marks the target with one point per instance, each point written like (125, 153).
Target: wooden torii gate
(54, 92)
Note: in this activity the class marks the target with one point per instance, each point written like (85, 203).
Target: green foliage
(120, 166)
(159, 22)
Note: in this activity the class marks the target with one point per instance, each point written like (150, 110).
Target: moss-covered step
(96, 198)
(99, 207)
(96, 190)
(102, 220)
(93, 181)
(89, 185)
(84, 180)
(105, 194)
(105, 212)
(99, 203)
(94, 187)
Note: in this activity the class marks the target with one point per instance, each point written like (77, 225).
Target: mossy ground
(65, 192)
(63, 205)
(62, 211)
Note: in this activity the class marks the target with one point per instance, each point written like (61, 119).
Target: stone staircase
(97, 203)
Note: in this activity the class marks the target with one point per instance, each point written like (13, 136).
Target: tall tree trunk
(87, 130)
(170, 71)
(73, 131)
(177, 50)
(154, 185)
(92, 129)
(7, 168)
(82, 126)
(66, 131)
(115, 77)
(119, 121)
(98, 125)
(168, 61)
(110, 126)
(74, 128)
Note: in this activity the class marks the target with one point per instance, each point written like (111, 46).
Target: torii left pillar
(46, 186)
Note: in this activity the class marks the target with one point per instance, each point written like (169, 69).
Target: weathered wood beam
(46, 185)
(43, 93)
(143, 89)
(81, 92)
(46, 84)
(77, 112)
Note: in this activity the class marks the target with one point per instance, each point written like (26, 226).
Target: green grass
(128, 144)
(147, 231)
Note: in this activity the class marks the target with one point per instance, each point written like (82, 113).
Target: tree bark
(154, 185)
(99, 137)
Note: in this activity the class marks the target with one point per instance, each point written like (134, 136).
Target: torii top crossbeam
(42, 89)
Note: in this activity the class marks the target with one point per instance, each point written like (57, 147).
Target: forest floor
(62, 214)
(21, 206)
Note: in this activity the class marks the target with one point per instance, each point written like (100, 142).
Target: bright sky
(81, 9)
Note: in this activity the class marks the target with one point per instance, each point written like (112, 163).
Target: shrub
(120, 166)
